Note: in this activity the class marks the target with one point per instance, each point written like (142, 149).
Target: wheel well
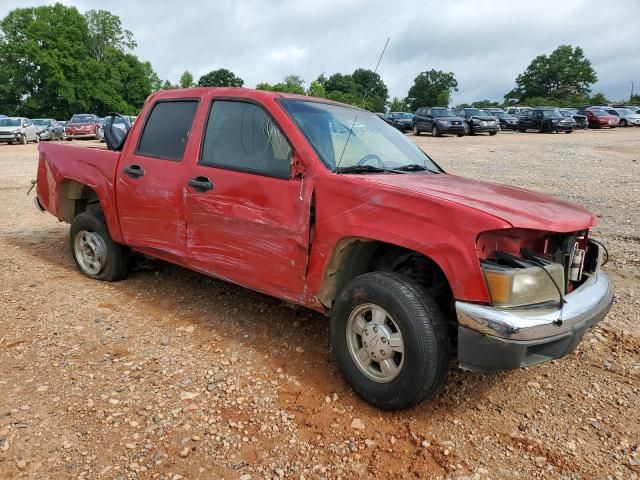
(75, 198)
(356, 256)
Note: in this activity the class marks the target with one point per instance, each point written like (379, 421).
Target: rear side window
(167, 129)
(242, 136)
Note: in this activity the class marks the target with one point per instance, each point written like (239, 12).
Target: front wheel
(435, 131)
(416, 130)
(623, 123)
(493, 133)
(23, 140)
(390, 340)
(95, 253)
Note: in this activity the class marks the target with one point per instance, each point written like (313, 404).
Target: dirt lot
(171, 374)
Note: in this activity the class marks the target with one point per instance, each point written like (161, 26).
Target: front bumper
(492, 338)
(82, 135)
(45, 134)
(451, 128)
(479, 128)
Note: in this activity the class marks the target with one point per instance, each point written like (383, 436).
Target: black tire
(117, 261)
(546, 128)
(493, 133)
(623, 123)
(461, 134)
(416, 130)
(424, 334)
(521, 129)
(568, 131)
(23, 140)
(435, 131)
(69, 139)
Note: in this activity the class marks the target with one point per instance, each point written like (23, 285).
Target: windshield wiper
(413, 167)
(364, 169)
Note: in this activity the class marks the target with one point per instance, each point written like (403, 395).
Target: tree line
(55, 61)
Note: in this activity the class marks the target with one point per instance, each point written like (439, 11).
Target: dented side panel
(93, 167)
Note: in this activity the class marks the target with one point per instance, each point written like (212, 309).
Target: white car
(18, 129)
(628, 118)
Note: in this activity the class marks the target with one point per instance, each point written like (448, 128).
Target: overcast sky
(486, 44)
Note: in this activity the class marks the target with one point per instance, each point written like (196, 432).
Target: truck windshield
(328, 128)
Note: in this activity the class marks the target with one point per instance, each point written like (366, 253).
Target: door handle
(134, 171)
(200, 183)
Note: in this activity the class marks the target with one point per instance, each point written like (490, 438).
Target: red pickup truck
(327, 206)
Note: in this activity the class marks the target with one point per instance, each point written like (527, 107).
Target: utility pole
(631, 96)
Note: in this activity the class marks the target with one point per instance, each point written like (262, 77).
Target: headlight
(16, 131)
(443, 122)
(515, 287)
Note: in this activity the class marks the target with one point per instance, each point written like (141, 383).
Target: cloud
(486, 44)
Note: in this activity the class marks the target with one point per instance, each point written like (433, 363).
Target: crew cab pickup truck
(327, 206)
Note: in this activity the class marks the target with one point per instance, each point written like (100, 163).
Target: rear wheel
(390, 340)
(416, 130)
(95, 253)
(492, 133)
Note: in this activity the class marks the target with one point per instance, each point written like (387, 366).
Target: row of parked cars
(470, 121)
(83, 125)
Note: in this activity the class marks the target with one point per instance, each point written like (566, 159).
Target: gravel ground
(172, 375)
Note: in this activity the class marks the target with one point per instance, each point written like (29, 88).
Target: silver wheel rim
(375, 343)
(90, 251)
(434, 132)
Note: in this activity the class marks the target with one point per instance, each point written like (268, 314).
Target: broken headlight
(527, 284)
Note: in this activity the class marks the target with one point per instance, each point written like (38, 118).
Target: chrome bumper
(587, 304)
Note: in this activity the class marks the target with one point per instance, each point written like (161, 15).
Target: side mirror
(115, 136)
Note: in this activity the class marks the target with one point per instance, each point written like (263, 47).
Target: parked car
(626, 117)
(438, 121)
(545, 119)
(478, 121)
(49, 129)
(517, 111)
(400, 120)
(82, 125)
(17, 130)
(264, 190)
(600, 118)
(579, 119)
(3, 116)
(507, 122)
(494, 110)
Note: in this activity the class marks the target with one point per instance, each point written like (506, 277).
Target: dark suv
(478, 121)
(438, 121)
(401, 120)
(546, 120)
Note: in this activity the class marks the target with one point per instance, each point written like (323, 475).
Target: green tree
(220, 78)
(485, 104)
(48, 67)
(316, 89)
(398, 105)
(563, 74)
(598, 99)
(186, 79)
(432, 88)
(290, 84)
(105, 30)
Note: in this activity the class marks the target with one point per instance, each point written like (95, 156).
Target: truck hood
(519, 207)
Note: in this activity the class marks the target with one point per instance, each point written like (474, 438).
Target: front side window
(167, 130)
(242, 136)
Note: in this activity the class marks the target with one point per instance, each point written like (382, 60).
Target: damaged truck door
(249, 223)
